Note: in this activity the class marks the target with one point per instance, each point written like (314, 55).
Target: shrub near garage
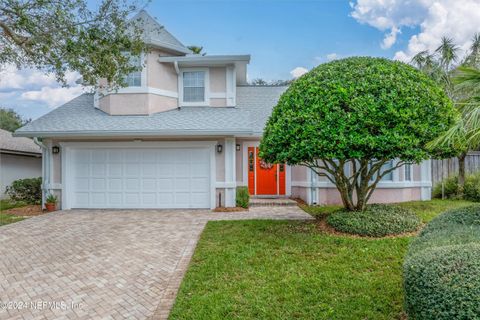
(377, 220)
(442, 268)
(26, 190)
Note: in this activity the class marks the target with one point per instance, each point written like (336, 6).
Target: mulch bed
(27, 211)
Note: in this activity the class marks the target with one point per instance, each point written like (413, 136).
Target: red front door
(264, 178)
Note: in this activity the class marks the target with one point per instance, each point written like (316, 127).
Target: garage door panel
(82, 170)
(82, 184)
(149, 184)
(149, 199)
(115, 199)
(140, 178)
(115, 169)
(132, 198)
(98, 198)
(98, 184)
(166, 169)
(132, 155)
(132, 169)
(99, 156)
(115, 184)
(149, 169)
(132, 184)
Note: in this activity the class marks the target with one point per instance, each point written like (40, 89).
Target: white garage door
(139, 178)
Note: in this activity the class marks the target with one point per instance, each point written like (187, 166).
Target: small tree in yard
(348, 118)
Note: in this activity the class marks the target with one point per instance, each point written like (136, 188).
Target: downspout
(45, 169)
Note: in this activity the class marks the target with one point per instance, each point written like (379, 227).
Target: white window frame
(206, 101)
(410, 171)
(143, 75)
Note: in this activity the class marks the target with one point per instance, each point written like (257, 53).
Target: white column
(426, 179)
(230, 173)
(312, 191)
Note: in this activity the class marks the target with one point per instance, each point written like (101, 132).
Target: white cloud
(298, 72)
(457, 19)
(332, 56)
(53, 97)
(390, 38)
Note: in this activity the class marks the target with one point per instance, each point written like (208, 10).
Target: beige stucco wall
(218, 102)
(161, 79)
(161, 75)
(136, 103)
(218, 82)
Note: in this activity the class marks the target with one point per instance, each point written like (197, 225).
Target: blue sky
(280, 35)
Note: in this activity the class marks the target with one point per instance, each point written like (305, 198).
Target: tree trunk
(461, 169)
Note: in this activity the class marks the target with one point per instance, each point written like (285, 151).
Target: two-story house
(183, 134)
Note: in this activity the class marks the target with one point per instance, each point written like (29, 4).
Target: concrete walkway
(104, 264)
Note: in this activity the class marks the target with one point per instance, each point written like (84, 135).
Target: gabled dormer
(171, 77)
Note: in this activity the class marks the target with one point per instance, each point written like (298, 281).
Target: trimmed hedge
(377, 220)
(243, 197)
(26, 190)
(442, 268)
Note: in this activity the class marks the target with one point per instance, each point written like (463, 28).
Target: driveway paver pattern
(104, 264)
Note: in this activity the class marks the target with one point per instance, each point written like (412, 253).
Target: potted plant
(51, 202)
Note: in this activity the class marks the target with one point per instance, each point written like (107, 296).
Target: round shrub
(471, 189)
(442, 268)
(26, 190)
(377, 220)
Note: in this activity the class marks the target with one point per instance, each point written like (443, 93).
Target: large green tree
(60, 35)
(10, 120)
(348, 118)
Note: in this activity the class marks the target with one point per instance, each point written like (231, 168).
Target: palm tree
(197, 50)
(453, 78)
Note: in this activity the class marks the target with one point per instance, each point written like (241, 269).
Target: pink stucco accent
(161, 75)
(136, 103)
(330, 196)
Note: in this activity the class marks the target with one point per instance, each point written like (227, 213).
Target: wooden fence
(442, 169)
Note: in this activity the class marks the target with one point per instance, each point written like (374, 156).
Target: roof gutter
(165, 133)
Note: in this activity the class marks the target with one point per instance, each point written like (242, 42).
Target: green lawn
(8, 218)
(283, 270)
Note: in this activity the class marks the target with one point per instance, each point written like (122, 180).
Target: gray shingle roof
(156, 34)
(16, 144)
(79, 117)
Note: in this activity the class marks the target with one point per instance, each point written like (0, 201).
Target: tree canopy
(346, 119)
(10, 120)
(57, 36)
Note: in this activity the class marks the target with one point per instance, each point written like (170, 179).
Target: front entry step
(272, 202)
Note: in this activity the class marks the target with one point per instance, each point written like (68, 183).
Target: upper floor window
(194, 86)
(134, 79)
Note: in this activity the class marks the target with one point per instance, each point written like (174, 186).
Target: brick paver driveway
(103, 264)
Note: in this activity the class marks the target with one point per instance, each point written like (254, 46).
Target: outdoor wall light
(237, 147)
(219, 148)
(55, 149)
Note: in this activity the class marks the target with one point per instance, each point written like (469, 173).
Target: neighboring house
(20, 158)
(183, 134)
